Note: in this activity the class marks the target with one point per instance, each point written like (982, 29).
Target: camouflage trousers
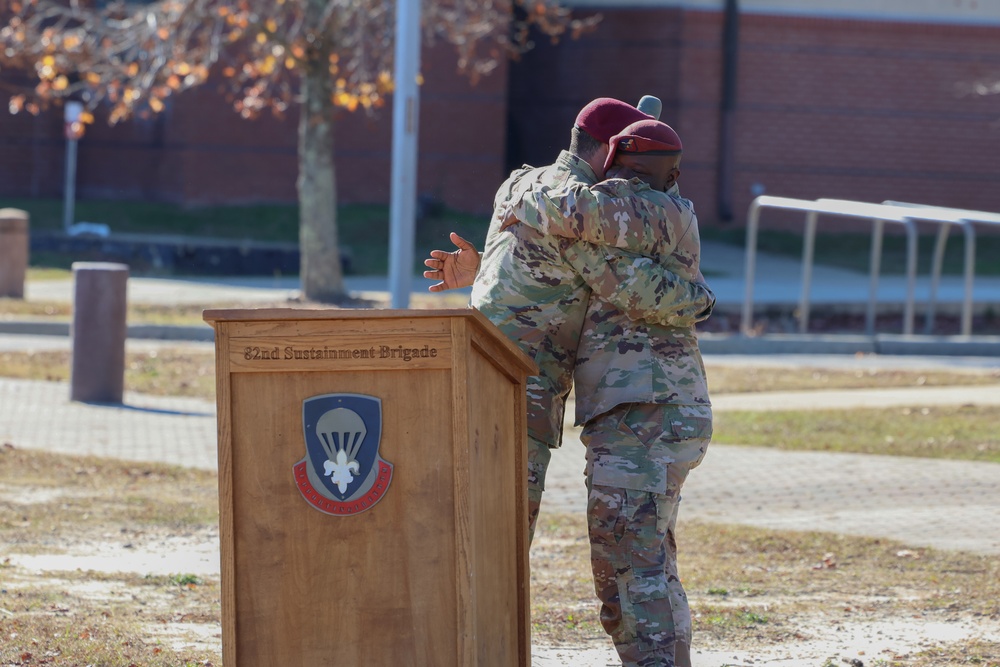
(539, 455)
(638, 457)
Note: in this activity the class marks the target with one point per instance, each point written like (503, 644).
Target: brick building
(860, 99)
(199, 151)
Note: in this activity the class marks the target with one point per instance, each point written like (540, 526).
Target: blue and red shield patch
(342, 472)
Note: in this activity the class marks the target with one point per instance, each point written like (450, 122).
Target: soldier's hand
(453, 269)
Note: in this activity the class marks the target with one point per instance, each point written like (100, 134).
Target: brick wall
(868, 111)
(198, 151)
(31, 153)
(864, 110)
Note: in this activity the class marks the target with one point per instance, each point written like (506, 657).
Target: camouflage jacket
(621, 358)
(536, 288)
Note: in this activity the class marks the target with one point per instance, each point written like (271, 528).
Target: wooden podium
(372, 469)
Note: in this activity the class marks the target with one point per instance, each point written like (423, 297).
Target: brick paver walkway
(946, 504)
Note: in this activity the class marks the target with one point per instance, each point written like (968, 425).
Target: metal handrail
(878, 214)
(984, 217)
(947, 217)
(943, 219)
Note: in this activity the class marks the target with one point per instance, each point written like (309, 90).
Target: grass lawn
(963, 432)
(186, 372)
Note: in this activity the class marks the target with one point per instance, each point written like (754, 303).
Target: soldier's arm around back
(621, 213)
(640, 287)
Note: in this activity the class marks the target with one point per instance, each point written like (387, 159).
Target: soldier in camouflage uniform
(645, 632)
(642, 398)
(535, 286)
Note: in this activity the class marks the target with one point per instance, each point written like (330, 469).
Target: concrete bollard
(13, 251)
(98, 332)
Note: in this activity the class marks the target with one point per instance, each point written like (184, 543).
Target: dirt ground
(168, 577)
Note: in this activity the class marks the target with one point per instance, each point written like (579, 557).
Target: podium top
(215, 317)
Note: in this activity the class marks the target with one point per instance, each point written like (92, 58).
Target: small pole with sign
(73, 114)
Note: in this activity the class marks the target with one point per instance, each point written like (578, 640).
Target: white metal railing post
(944, 218)
(911, 277)
(885, 213)
(937, 264)
(967, 220)
(753, 219)
(970, 271)
(808, 252)
(875, 267)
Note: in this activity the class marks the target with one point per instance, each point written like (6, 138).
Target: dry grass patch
(16, 308)
(54, 506)
(76, 498)
(191, 314)
(162, 372)
(754, 589)
(723, 379)
(563, 607)
(87, 618)
(949, 432)
(186, 372)
(973, 653)
(750, 589)
(47, 273)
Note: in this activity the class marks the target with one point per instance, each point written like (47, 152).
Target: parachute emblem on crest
(341, 432)
(342, 472)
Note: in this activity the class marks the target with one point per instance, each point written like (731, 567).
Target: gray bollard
(97, 373)
(13, 251)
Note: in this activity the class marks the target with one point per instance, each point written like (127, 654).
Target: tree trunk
(320, 269)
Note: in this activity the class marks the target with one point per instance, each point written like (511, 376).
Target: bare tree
(320, 54)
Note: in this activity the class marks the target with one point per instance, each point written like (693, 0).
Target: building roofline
(950, 12)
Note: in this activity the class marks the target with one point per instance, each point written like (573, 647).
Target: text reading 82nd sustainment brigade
(399, 352)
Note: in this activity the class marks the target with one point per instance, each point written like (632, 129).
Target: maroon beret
(650, 137)
(605, 117)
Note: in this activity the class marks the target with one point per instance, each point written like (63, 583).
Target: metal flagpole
(405, 108)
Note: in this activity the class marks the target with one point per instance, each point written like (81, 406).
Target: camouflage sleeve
(639, 287)
(620, 213)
